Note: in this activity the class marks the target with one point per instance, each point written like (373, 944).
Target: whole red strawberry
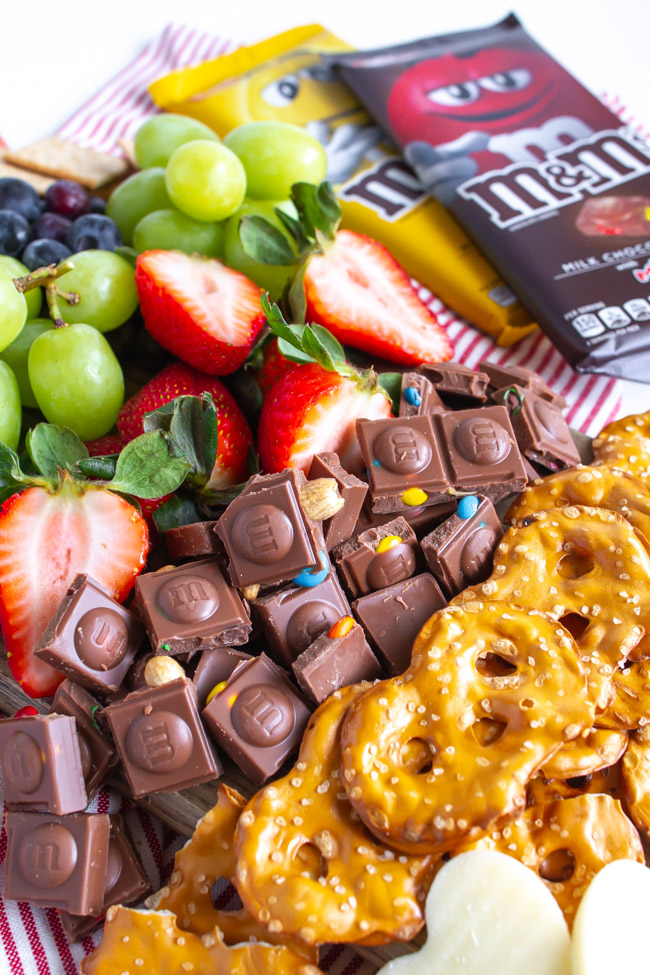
(203, 312)
(177, 379)
(274, 366)
(104, 446)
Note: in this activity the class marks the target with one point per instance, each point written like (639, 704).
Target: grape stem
(43, 276)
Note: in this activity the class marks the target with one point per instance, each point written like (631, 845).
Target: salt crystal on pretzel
(635, 774)
(439, 754)
(151, 942)
(567, 842)
(598, 749)
(588, 568)
(307, 866)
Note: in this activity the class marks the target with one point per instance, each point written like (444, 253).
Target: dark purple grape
(15, 232)
(52, 226)
(93, 232)
(40, 253)
(19, 196)
(67, 198)
(97, 204)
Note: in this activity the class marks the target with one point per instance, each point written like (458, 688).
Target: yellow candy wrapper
(282, 79)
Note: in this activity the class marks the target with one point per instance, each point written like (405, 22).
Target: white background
(53, 55)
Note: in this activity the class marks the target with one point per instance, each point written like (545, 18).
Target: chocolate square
(458, 385)
(214, 667)
(482, 452)
(160, 739)
(258, 719)
(364, 570)
(91, 638)
(193, 541)
(542, 433)
(393, 617)
(267, 535)
(333, 662)
(418, 395)
(510, 375)
(98, 753)
(422, 520)
(292, 617)
(352, 490)
(40, 761)
(459, 551)
(191, 608)
(57, 861)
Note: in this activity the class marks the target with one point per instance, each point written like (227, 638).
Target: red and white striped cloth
(31, 939)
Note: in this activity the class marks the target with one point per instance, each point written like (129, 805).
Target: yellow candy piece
(389, 542)
(413, 497)
(217, 689)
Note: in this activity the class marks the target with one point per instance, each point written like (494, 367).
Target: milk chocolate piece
(98, 753)
(393, 617)
(400, 453)
(542, 433)
(191, 608)
(352, 490)
(193, 541)
(267, 535)
(457, 385)
(418, 396)
(214, 667)
(365, 570)
(41, 767)
(510, 375)
(56, 861)
(91, 638)
(292, 617)
(459, 551)
(125, 882)
(258, 719)
(160, 739)
(422, 520)
(333, 662)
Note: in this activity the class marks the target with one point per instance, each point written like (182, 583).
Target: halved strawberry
(46, 539)
(311, 410)
(203, 312)
(358, 291)
(177, 379)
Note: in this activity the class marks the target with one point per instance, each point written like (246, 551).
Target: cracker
(64, 160)
(38, 181)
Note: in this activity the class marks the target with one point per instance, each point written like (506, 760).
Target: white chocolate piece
(610, 933)
(488, 914)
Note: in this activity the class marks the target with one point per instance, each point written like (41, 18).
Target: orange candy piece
(341, 628)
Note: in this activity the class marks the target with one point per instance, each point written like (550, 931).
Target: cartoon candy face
(494, 90)
(296, 89)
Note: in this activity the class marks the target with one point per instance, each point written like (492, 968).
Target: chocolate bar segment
(542, 433)
(421, 519)
(98, 753)
(418, 395)
(190, 608)
(292, 617)
(333, 662)
(91, 638)
(378, 557)
(502, 376)
(193, 541)
(456, 384)
(214, 667)
(160, 739)
(258, 719)
(353, 491)
(41, 767)
(57, 861)
(459, 551)
(266, 533)
(393, 617)
(482, 452)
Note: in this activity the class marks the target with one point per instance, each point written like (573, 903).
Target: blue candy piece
(314, 577)
(467, 506)
(412, 396)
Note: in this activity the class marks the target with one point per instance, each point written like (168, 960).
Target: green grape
(17, 269)
(275, 156)
(76, 379)
(171, 230)
(105, 284)
(15, 355)
(269, 277)
(135, 197)
(13, 309)
(156, 140)
(10, 412)
(205, 180)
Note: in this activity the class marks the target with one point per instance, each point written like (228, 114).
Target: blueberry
(68, 198)
(15, 232)
(52, 225)
(93, 231)
(17, 195)
(41, 253)
(97, 204)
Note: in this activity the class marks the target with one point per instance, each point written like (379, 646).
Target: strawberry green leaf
(210, 433)
(9, 464)
(264, 243)
(101, 467)
(252, 461)
(293, 227)
(54, 448)
(147, 467)
(317, 208)
(392, 383)
(296, 296)
(330, 208)
(177, 511)
(313, 347)
(129, 254)
(329, 342)
(159, 419)
(187, 434)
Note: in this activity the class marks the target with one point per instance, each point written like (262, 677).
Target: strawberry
(47, 537)
(109, 444)
(177, 379)
(358, 291)
(203, 312)
(274, 366)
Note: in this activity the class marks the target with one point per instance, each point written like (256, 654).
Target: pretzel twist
(630, 456)
(597, 750)
(608, 782)
(307, 866)
(630, 706)
(439, 754)
(635, 427)
(635, 775)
